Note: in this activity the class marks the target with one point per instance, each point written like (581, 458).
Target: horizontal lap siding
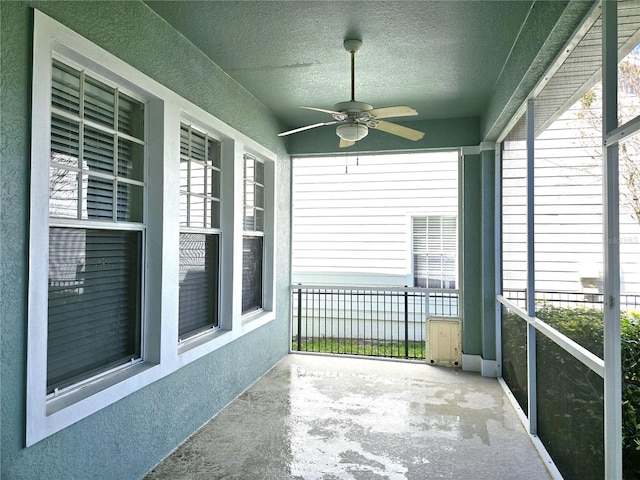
(568, 211)
(354, 216)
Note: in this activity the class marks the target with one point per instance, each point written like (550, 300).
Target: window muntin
(253, 194)
(200, 170)
(252, 242)
(200, 203)
(435, 247)
(97, 155)
(96, 211)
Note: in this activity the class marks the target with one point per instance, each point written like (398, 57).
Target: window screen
(94, 305)
(251, 273)
(198, 283)
(434, 251)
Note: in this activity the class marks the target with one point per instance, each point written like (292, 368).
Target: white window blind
(200, 194)
(96, 175)
(435, 249)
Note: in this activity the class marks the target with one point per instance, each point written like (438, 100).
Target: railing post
(299, 317)
(406, 323)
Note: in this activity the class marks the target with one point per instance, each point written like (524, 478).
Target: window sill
(201, 340)
(100, 384)
(255, 319)
(45, 417)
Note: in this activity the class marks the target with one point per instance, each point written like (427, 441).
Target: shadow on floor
(335, 418)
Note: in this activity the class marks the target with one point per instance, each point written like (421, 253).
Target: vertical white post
(612, 355)
(498, 254)
(531, 283)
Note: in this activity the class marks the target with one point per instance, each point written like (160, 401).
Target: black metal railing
(380, 322)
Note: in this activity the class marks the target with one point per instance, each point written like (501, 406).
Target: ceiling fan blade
(395, 129)
(390, 112)
(346, 143)
(324, 110)
(300, 129)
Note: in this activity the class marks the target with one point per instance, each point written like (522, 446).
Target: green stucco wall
(126, 439)
(487, 158)
(478, 254)
(471, 254)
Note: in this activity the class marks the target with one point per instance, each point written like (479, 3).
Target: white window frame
(212, 230)
(412, 244)
(267, 234)
(161, 353)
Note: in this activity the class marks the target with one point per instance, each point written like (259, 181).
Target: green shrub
(573, 398)
(630, 333)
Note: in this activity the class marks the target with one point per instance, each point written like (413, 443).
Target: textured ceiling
(442, 58)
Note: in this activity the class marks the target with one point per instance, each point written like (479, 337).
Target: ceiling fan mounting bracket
(352, 45)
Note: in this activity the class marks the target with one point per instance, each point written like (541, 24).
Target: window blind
(251, 273)
(198, 297)
(434, 251)
(94, 307)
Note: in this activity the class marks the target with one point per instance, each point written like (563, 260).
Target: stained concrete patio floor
(329, 418)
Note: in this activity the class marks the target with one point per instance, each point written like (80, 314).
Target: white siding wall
(568, 210)
(352, 216)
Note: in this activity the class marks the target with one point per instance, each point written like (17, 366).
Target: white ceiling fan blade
(395, 129)
(346, 143)
(300, 129)
(324, 110)
(390, 112)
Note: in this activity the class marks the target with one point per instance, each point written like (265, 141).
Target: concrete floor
(329, 418)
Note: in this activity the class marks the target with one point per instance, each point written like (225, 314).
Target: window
(253, 239)
(200, 173)
(434, 252)
(134, 234)
(96, 198)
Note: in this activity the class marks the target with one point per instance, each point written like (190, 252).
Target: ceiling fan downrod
(352, 46)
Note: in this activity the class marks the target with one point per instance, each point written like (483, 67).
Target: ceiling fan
(354, 118)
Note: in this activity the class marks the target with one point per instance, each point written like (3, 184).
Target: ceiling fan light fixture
(352, 132)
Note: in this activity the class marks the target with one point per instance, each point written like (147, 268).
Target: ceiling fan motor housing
(352, 106)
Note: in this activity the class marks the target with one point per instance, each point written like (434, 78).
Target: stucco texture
(126, 439)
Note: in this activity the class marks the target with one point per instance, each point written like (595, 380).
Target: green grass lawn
(348, 346)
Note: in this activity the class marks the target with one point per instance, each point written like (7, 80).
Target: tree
(628, 108)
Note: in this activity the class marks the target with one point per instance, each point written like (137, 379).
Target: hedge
(570, 396)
